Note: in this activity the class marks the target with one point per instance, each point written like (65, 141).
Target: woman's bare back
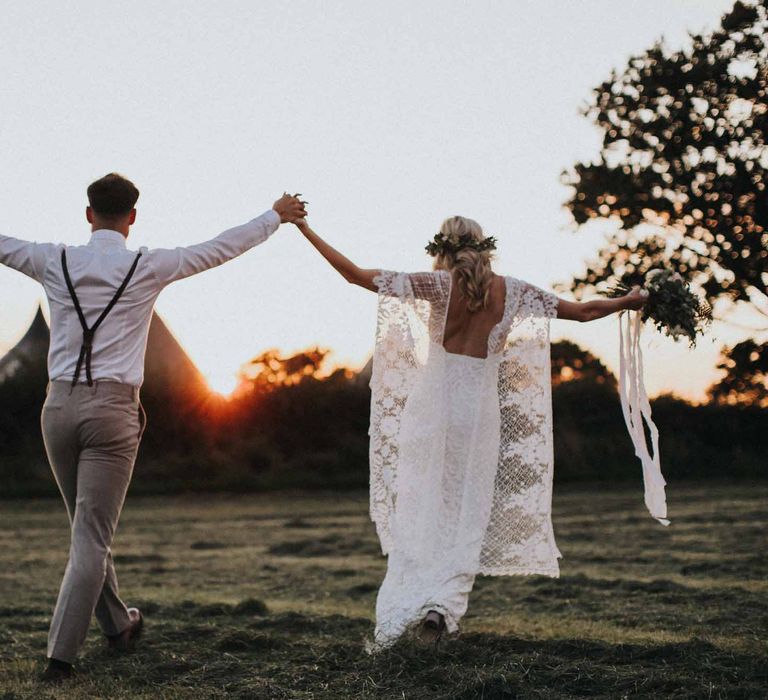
(466, 332)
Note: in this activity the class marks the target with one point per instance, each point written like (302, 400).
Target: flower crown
(442, 244)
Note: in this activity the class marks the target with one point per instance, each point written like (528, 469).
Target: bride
(461, 426)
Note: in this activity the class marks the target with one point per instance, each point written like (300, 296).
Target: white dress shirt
(97, 270)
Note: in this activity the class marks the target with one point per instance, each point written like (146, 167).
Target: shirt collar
(105, 235)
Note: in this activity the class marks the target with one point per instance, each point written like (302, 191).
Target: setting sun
(221, 381)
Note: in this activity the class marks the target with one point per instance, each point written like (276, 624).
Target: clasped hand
(290, 208)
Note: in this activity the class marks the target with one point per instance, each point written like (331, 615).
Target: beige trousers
(91, 436)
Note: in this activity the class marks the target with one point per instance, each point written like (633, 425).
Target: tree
(682, 169)
(746, 375)
(572, 363)
(269, 370)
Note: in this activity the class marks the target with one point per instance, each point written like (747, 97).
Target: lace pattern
(519, 538)
(461, 448)
(412, 309)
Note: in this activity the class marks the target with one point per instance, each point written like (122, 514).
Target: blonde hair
(471, 268)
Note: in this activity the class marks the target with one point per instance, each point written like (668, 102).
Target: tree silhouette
(746, 375)
(269, 370)
(572, 363)
(682, 166)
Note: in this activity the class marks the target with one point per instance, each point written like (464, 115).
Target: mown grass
(272, 597)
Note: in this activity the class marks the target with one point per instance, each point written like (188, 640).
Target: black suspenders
(86, 349)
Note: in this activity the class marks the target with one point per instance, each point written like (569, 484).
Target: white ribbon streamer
(637, 409)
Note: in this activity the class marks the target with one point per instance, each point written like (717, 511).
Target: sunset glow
(222, 382)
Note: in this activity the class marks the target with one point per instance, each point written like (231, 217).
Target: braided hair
(467, 253)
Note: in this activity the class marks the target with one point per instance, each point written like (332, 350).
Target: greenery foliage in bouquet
(672, 307)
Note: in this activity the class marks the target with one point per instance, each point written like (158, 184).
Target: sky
(387, 116)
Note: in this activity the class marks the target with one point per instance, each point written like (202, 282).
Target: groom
(101, 297)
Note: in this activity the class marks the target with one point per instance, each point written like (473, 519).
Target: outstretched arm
(343, 265)
(598, 308)
(28, 258)
(175, 264)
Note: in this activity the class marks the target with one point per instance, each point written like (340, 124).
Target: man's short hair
(112, 196)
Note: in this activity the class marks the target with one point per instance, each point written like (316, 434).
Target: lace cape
(411, 321)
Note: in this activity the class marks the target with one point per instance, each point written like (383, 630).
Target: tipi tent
(178, 402)
(167, 369)
(31, 349)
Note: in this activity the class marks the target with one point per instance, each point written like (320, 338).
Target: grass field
(271, 596)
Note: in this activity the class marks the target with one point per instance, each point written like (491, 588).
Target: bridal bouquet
(676, 311)
(672, 307)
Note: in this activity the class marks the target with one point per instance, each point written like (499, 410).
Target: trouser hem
(61, 656)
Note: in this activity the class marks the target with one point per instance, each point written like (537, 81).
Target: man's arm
(175, 264)
(28, 258)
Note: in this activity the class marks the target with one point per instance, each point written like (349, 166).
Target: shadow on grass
(330, 545)
(246, 652)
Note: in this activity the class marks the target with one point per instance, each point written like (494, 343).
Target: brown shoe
(57, 672)
(126, 640)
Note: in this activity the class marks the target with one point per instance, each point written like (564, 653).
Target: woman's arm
(598, 308)
(343, 265)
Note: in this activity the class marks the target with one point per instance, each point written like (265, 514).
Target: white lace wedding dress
(461, 450)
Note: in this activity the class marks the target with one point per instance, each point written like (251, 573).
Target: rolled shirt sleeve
(175, 264)
(28, 258)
